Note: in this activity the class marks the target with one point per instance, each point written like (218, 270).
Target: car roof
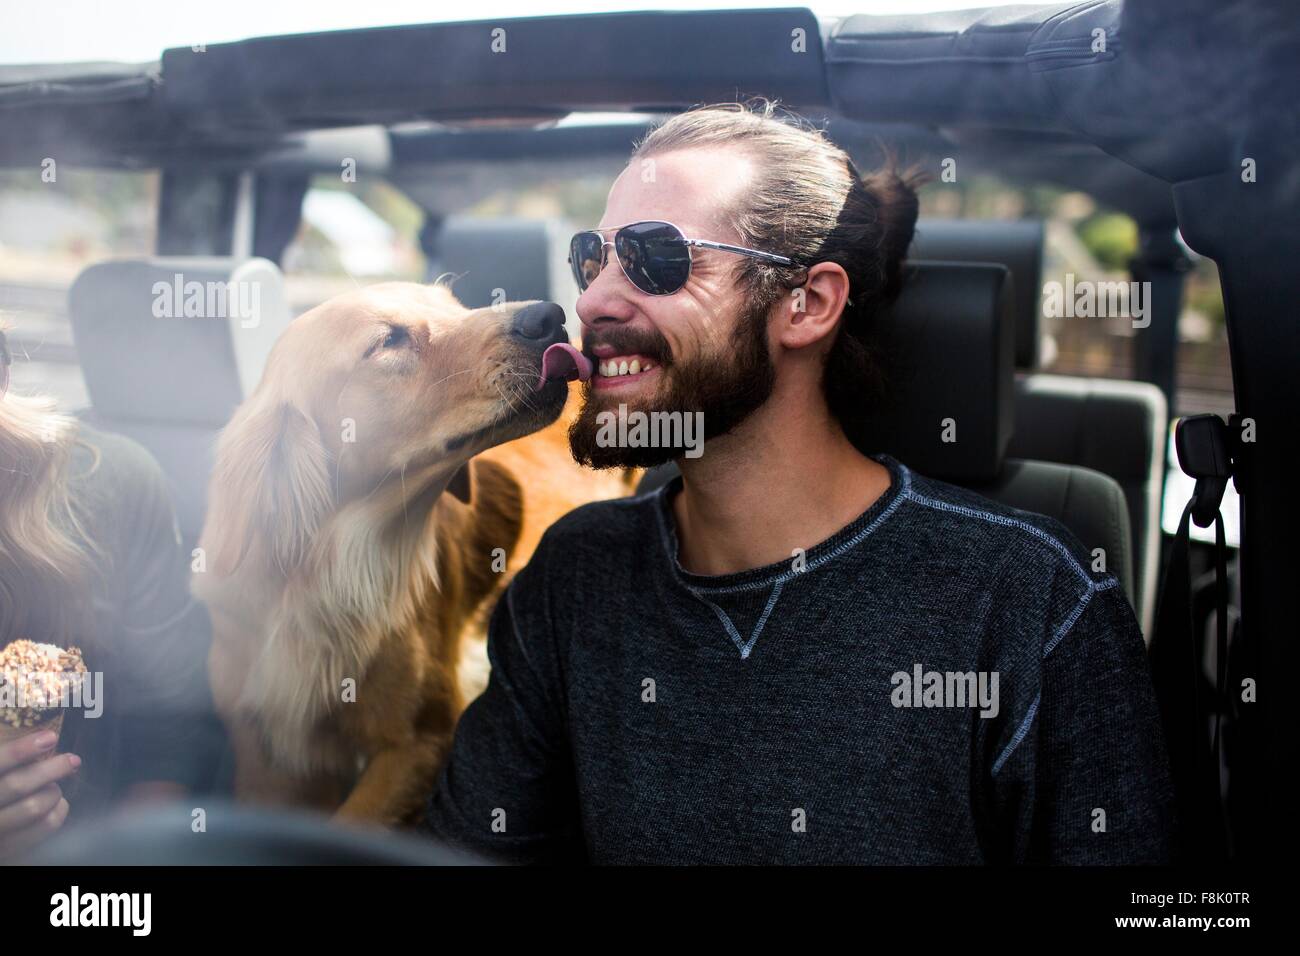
(1039, 92)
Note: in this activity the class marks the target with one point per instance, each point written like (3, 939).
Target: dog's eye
(397, 337)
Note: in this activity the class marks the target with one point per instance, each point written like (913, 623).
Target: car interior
(238, 130)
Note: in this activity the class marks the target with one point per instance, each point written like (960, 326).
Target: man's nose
(607, 299)
(540, 324)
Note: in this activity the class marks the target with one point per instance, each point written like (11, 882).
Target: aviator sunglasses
(654, 255)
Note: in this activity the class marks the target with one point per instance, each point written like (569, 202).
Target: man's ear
(816, 306)
(459, 486)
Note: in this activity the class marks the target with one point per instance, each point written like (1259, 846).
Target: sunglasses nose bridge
(605, 248)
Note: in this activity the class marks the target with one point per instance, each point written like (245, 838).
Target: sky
(69, 31)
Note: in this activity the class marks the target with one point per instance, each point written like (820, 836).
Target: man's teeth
(615, 367)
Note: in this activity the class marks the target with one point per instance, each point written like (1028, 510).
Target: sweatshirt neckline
(769, 575)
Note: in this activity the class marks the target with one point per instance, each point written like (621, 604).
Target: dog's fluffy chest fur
(346, 640)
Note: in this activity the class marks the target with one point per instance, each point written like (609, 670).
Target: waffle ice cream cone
(37, 683)
(9, 732)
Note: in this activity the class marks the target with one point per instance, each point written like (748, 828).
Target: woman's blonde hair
(44, 569)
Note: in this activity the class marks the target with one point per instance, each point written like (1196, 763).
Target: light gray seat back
(169, 347)
(1116, 428)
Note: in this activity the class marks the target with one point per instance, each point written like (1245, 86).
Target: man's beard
(727, 386)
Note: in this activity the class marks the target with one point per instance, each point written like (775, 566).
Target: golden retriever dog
(353, 538)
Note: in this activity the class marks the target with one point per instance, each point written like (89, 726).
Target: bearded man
(722, 671)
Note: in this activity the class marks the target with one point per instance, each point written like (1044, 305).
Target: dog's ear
(271, 483)
(459, 486)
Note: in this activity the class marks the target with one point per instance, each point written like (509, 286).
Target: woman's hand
(32, 805)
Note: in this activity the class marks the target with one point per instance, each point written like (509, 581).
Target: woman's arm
(158, 691)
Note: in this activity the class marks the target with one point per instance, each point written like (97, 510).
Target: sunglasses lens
(585, 257)
(654, 256)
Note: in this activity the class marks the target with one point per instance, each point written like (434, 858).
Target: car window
(54, 222)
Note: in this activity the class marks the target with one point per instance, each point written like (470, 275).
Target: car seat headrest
(1016, 244)
(945, 349)
(163, 339)
(519, 259)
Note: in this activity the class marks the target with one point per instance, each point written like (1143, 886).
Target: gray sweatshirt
(944, 680)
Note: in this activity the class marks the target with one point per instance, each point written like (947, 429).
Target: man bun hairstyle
(809, 202)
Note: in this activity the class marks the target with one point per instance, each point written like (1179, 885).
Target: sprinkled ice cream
(36, 682)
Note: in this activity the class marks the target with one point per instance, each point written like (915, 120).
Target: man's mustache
(626, 341)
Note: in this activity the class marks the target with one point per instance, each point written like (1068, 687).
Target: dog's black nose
(541, 323)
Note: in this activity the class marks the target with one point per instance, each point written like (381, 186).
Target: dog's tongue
(562, 360)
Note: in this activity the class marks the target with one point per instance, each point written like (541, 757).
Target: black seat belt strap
(1190, 711)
